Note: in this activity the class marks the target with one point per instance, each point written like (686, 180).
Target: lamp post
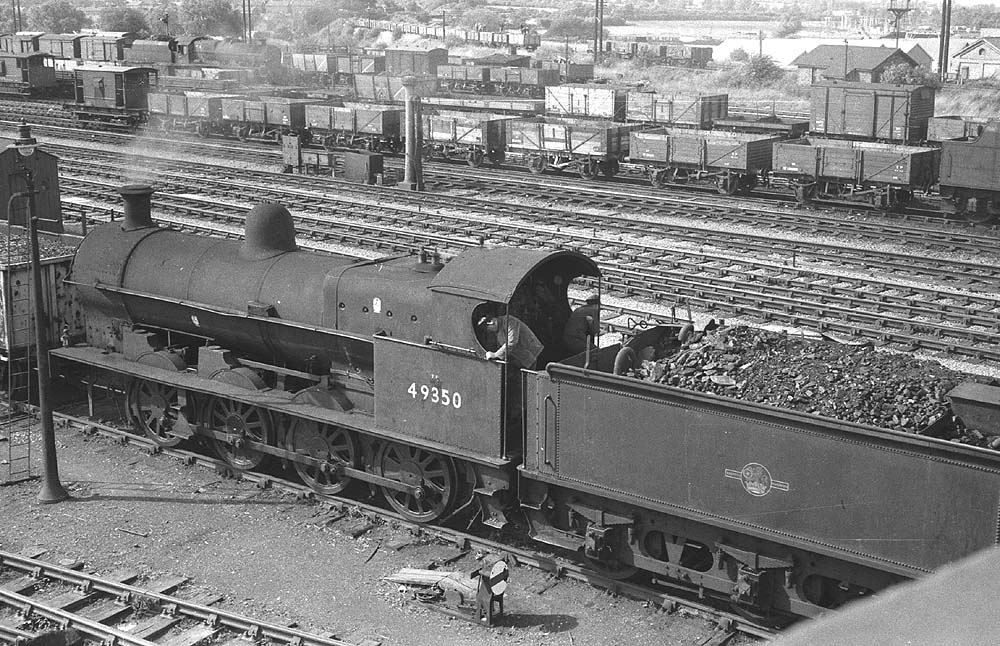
(52, 490)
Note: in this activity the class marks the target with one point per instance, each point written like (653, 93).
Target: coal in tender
(853, 383)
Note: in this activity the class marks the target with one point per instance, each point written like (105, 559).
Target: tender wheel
(245, 422)
(155, 408)
(417, 467)
(322, 442)
(612, 568)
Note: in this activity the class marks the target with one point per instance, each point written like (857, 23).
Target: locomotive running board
(278, 401)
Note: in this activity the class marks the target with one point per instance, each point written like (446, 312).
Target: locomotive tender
(374, 372)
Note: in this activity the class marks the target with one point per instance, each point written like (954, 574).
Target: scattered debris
(129, 531)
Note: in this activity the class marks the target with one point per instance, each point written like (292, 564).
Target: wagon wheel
(727, 184)
(202, 129)
(497, 157)
(610, 167)
(537, 164)
(589, 169)
(245, 422)
(975, 210)
(155, 408)
(243, 133)
(658, 177)
(475, 157)
(322, 442)
(805, 192)
(415, 466)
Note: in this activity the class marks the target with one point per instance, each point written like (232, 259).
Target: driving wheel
(244, 422)
(155, 408)
(414, 466)
(327, 443)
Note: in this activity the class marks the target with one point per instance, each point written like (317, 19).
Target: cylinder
(137, 213)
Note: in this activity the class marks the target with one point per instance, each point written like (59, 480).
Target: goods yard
(777, 379)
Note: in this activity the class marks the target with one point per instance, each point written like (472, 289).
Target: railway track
(796, 283)
(37, 597)
(94, 605)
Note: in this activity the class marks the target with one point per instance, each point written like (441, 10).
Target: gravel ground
(273, 557)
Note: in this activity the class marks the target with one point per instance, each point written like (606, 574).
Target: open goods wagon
(880, 174)
(197, 112)
(570, 72)
(473, 136)
(264, 118)
(699, 112)
(389, 87)
(497, 105)
(733, 161)
(871, 110)
(581, 100)
(585, 146)
(368, 127)
(522, 81)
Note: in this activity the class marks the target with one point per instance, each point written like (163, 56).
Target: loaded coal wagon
(880, 174)
(585, 146)
(734, 161)
(264, 118)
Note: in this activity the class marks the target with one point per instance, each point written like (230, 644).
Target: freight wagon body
(735, 162)
(570, 72)
(954, 127)
(105, 46)
(473, 136)
(522, 81)
(263, 118)
(388, 87)
(27, 74)
(357, 126)
(776, 508)
(883, 175)
(152, 51)
(60, 45)
(871, 110)
(498, 105)
(580, 100)
(415, 61)
(581, 145)
(197, 112)
(968, 173)
(699, 112)
(17, 331)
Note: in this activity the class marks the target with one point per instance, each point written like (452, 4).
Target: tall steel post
(413, 171)
(52, 490)
(945, 41)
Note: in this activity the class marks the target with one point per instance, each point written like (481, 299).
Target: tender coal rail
(39, 596)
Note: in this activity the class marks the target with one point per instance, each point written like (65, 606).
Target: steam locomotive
(373, 374)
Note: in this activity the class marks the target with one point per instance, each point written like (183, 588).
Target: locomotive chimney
(137, 215)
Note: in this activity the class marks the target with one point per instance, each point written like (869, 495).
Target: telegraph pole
(898, 11)
(945, 39)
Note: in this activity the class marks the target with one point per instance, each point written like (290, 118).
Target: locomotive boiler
(350, 370)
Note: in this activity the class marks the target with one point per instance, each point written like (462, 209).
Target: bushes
(755, 72)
